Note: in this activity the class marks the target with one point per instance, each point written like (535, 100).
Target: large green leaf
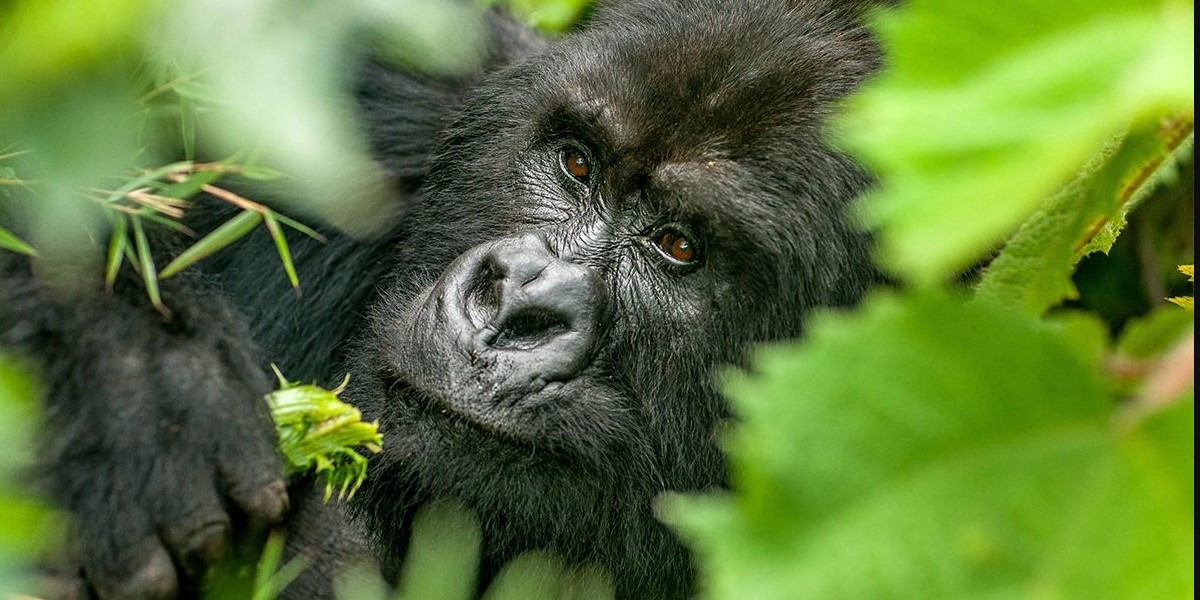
(987, 108)
(934, 448)
(1034, 269)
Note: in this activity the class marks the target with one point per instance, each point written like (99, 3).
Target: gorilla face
(603, 225)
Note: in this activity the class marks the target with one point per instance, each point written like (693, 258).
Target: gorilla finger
(199, 537)
(145, 574)
(260, 492)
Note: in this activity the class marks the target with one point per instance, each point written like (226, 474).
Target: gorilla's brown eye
(576, 164)
(677, 247)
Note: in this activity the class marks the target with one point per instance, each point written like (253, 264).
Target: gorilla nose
(535, 311)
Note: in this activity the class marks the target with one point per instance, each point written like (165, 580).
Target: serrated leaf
(933, 448)
(1034, 270)
(226, 234)
(1186, 302)
(984, 112)
(1161, 168)
(9, 241)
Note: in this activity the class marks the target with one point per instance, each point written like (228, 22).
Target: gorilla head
(605, 222)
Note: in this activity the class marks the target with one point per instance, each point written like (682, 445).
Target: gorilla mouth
(507, 418)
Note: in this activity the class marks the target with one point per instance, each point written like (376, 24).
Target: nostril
(529, 327)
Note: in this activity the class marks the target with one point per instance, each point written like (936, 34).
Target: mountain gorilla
(594, 224)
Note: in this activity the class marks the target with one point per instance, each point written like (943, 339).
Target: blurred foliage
(985, 110)
(22, 516)
(98, 96)
(443, 561)
(1032, 438)
(550, 16)
(997, 441)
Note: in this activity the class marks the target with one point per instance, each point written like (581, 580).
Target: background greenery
(1013, 419)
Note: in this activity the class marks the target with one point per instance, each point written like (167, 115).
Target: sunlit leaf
(1034, 269)
(986, 109)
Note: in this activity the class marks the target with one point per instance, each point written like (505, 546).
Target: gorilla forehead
(730, 79)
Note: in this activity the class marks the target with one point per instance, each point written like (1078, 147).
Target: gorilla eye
(575, 164)
(677, 247)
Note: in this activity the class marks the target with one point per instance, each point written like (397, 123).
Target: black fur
(703, 119)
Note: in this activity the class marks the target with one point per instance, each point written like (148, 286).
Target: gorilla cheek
(505, 324)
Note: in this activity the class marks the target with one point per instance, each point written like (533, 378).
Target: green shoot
(319, 433)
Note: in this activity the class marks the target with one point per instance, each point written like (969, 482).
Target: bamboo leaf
(301, 227)
(285, 255)
(146, 179)
(146, 260)
(191, 186)
(116, 250)
(9, 241)
(219, 238)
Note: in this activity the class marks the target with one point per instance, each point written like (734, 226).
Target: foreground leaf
(9, 241)
(984, 112)
(1034, 270)
(931, 448)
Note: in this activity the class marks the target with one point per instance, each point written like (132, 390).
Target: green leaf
(934, 448)
(301, 227)
(1143, 179)
(443, 555)
(1034, 269)
(281, 246)
(146, 262)
(226, 234)
(117, 244)
(984, 112)
(191, 185)
(10, 241)
(270, 578)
